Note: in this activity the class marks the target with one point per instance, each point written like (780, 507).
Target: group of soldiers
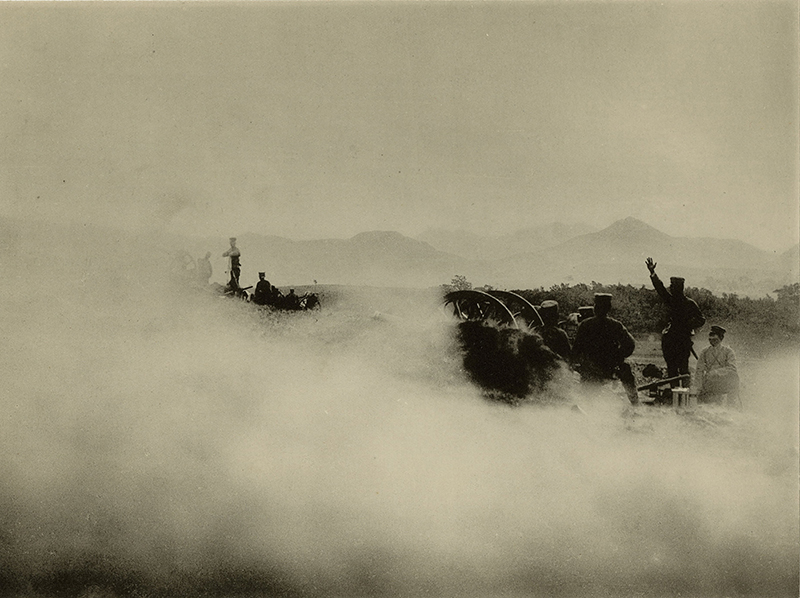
(264, 293)
(602, 344)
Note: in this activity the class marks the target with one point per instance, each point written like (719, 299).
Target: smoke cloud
(162, 441)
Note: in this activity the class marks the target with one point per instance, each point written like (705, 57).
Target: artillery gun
(504, 308)
(278, 300)
(500, 349)
(293, 302)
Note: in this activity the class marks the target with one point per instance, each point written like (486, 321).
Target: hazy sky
(316, 120)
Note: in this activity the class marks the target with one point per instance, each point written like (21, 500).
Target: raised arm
(657, 284)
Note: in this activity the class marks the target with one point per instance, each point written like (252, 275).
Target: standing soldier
(234, 254)
(684, 319)
(601, 346)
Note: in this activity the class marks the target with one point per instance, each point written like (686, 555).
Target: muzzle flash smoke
(509, 364)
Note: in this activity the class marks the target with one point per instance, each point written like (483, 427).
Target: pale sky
(312, 120)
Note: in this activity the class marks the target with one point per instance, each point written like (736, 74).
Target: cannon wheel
(520, 307)
(477, 305)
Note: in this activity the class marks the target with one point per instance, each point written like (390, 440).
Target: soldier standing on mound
(234, 254)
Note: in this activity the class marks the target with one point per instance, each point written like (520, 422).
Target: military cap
(262, 273)
(232, 239)
(585, 309)
(677, 279)
(549, 304)
(602, 298)
(718, 330)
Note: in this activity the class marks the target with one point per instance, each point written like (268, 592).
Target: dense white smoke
(160, 440)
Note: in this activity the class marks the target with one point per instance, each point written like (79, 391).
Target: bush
(761, 323)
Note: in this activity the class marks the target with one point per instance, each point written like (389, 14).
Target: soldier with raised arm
(684, 318)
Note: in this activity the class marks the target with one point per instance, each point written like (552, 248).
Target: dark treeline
(762, 323)
(773, 320)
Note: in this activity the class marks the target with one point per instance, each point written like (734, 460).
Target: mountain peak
(633, 228)
(631, 223)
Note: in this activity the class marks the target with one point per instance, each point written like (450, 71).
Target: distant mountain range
(551, 255)
(617, 254)
(527, 240)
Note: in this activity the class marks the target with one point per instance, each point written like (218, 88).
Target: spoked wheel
(521, 308)
(480, 306)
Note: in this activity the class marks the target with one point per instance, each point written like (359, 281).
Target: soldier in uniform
(292, 301)
(716, 373)
(554, 337)
(235, 265)
(684, 319)
(601, 346)
(263, 291)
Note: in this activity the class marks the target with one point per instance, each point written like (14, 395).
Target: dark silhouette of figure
(234, 256)
(263, 293)
(291, 301)
(601, 346)
(554, 337)
(684, 319)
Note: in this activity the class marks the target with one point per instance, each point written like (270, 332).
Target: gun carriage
(501, 307)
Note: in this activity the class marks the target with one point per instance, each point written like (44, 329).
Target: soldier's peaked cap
(602, 297)
(262, 273)
(232, 239)
(549, 304)
(679, 279)
(717, 330)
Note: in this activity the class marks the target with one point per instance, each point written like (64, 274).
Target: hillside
(478, 247)
(378, 258)
(617, 254)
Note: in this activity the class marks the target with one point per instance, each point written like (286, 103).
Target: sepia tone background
(322, 120)
(157, 440)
